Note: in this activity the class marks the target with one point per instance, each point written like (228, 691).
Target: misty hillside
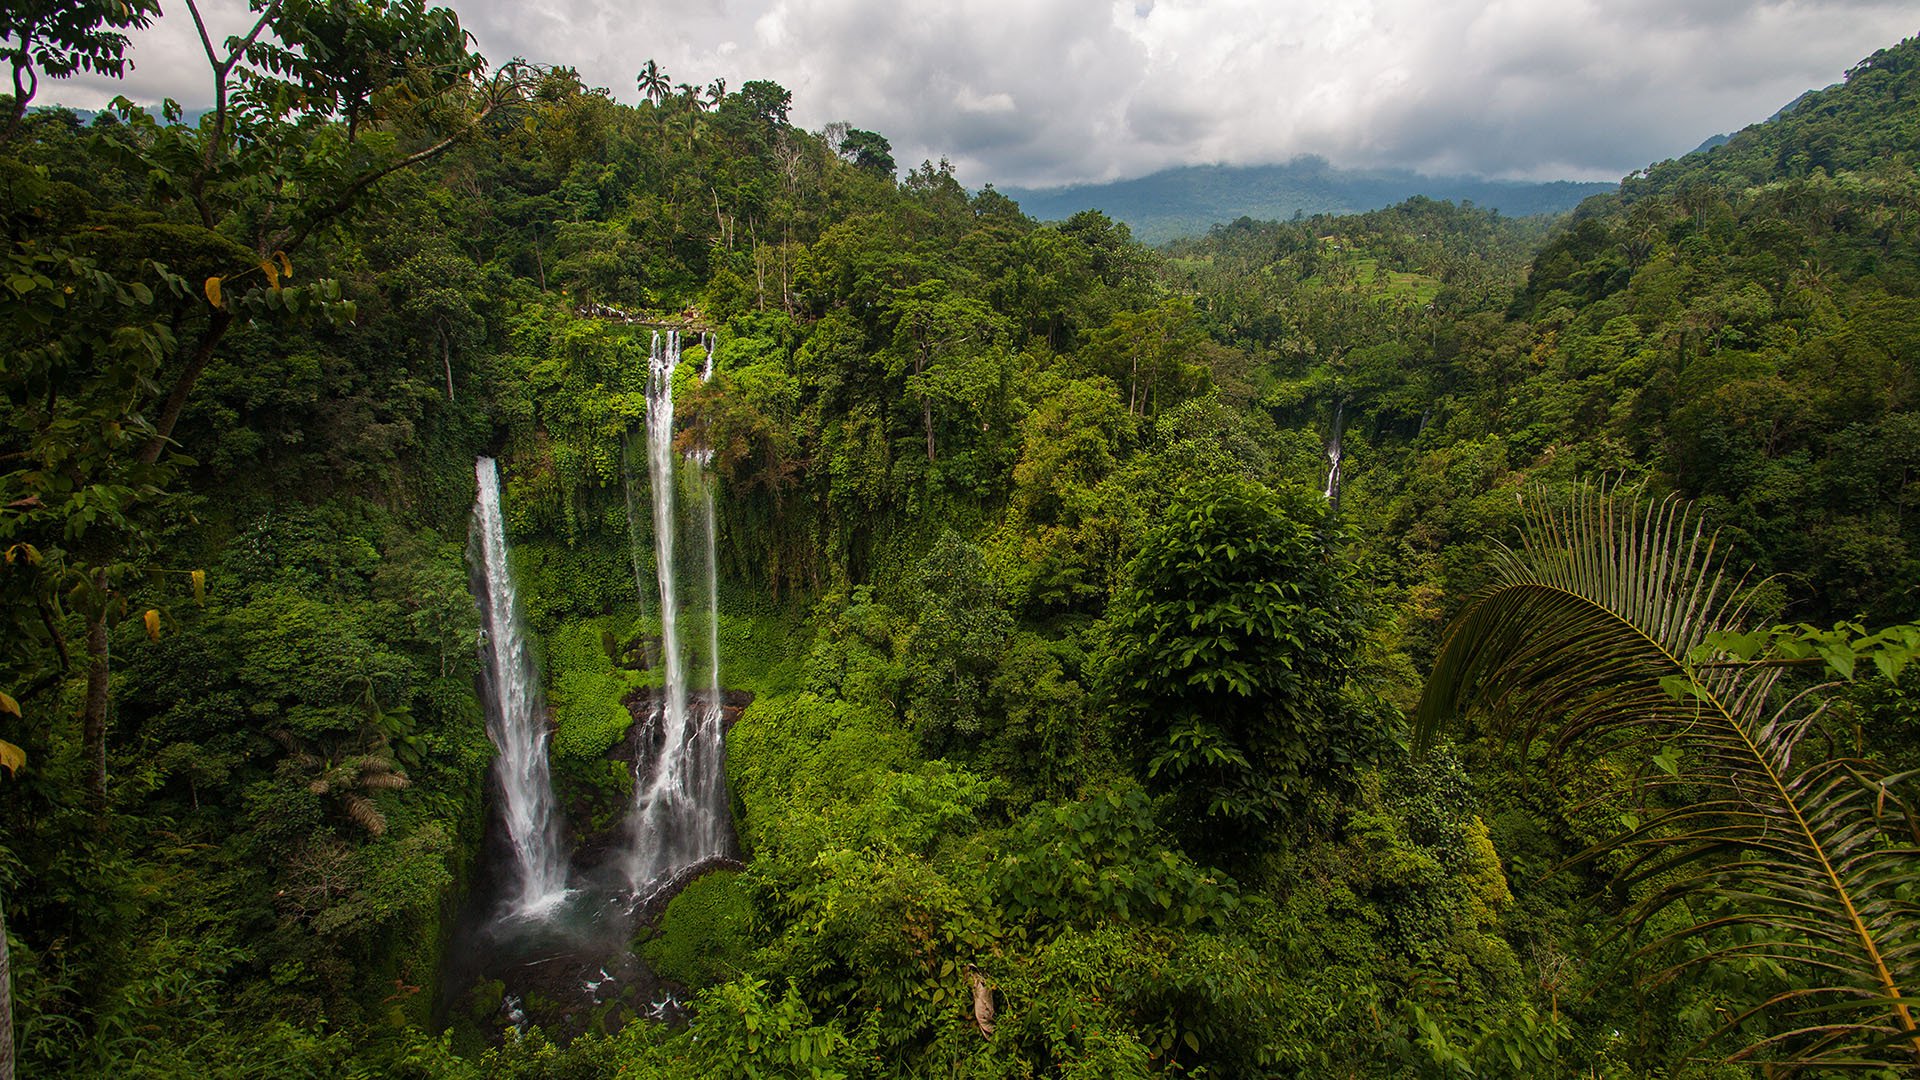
(1186, 201)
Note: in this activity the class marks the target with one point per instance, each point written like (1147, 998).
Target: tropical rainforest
(1423, 643)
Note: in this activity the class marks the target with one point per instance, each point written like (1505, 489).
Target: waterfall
(679, 811)
(705, 460)
(638, 541)
(1333, 455)
(516, 713)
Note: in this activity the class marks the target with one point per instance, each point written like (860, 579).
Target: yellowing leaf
(8, 705)
(272, 272)
(286, 266)
(12, 757)
(152, 619)
(199, 586)
(213, 292)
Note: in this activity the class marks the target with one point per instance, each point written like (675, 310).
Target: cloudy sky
(1038, 92)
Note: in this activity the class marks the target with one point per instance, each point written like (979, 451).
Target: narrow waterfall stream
(516, 712)
(1334, 454)
(679, 814)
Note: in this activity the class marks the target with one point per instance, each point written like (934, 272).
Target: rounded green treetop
(1232, 644)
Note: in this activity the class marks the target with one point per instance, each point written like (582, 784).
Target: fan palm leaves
(1796, 857)
(347, 778)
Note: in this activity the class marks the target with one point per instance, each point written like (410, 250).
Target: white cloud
(1051, 91)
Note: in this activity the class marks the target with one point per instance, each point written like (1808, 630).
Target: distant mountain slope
(1867, 124)
(1186, 201)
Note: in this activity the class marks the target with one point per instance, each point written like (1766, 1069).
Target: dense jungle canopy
(1082, 739)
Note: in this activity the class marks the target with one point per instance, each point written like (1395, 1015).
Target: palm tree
(1589, 635)
(654, 84)
(716, 93)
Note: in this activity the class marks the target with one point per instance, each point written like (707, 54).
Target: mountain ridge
(1189, 199)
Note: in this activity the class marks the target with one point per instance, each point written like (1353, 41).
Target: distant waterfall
(679, 811)
(516, 713)
(1334, 454)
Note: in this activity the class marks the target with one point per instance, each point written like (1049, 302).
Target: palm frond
(1797, 858)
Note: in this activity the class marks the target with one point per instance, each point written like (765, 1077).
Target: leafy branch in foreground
(1811, 859)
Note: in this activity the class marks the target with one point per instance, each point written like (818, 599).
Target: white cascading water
(1332, 492)
(636, 530)
(713, 547)
(679, 811)
(516, 713)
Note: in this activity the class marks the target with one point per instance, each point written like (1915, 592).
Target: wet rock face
(640, 654)
(645, 707)
(595, 847)
(572, 972)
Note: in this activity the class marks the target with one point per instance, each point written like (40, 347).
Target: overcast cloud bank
(1045, 92)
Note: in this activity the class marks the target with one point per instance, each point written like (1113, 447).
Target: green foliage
(741, 1030)
(704, 936)
(1104, 858)
(1232, 643)
(587, 692)
(1008, 511)
(959, 633)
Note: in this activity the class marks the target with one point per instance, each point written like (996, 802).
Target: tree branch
(183, 386)
(292, 241)
(21, 93)
(53, 631)
(222, 70)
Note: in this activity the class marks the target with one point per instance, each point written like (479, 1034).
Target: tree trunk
(183, 386)
(93, 732)
(926, 405)
(446, 360)
(6, 1002)
(982, 1002)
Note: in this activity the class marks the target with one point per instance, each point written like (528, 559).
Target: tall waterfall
(679, 811)
(516, 713)
(633, 447)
